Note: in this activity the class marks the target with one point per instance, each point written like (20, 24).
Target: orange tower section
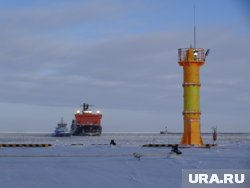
(191, 59)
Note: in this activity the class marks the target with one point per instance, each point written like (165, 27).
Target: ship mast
(86, 107)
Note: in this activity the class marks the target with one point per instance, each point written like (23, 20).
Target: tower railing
(197, 54)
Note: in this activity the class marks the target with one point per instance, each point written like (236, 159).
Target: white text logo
(214, 179)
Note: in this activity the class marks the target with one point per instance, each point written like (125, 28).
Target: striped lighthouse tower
(191, 59)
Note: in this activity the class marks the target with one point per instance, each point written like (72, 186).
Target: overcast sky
(121, 56)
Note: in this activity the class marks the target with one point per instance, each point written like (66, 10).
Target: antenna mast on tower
(194, 30)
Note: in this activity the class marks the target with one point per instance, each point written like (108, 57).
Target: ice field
(92, 163)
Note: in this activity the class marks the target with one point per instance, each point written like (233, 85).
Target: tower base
(191, 135)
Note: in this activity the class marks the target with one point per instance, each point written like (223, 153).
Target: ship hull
(61, 134)
(87, 130)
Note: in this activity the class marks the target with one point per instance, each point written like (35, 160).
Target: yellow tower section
(191, 59)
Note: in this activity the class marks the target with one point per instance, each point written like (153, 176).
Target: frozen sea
(90, 161)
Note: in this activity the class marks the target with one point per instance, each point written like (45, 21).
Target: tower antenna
(194, 29)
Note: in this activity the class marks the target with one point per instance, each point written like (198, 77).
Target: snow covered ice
(92, 162)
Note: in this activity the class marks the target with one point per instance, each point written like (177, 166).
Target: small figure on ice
(112, 142)
(176, 150)
(137, 156)
(214, 132)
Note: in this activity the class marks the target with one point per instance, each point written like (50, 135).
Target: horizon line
(119, 132)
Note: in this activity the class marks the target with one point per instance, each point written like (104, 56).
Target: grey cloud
(133, 71)
(93, 73)
(59, 16)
